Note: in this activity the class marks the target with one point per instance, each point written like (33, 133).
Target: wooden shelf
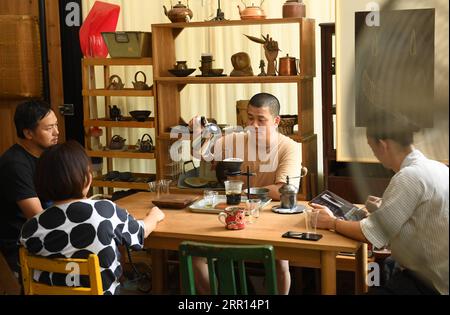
(232, 80)
(169, 87)
(149, 123)
(130, 154)
(117, 61)
(99, 182)
(118, 93)
(231, 23)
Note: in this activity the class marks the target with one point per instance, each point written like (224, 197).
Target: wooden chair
(221, 266)
(88, 267)
(9, 284)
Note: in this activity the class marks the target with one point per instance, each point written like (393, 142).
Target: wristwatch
(333, 229)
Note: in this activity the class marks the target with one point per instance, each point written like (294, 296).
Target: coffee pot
(288, 66)
(294, 9)
(117, 142)
(179, 13)
(252, 12)
(140, 85)
(115, 113)
(145, 145)
(115, 83)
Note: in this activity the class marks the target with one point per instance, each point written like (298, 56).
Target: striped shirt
(413, 219)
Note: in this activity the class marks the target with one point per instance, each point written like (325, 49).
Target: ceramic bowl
(259, 193)
(140, 115)
(181, 72)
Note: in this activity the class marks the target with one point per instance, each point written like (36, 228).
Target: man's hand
(325, 219)
(195, 122)
(373, 203)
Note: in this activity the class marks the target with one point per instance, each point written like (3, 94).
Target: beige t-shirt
(271, 164)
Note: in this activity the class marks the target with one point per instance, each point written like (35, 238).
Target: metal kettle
(252, 12)
(179, 13)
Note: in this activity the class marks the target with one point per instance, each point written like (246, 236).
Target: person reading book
(412, 216)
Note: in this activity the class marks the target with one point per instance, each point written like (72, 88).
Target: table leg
(158, 271)
(328, 272)
(361, 270)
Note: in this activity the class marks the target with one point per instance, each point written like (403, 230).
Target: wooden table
(184, 225)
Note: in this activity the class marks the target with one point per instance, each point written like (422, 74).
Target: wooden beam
(55, 62)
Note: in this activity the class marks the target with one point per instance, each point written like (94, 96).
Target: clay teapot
(252, 12)
(140, 85)
(294, 9)
(115, 83)
(145, 145)
(117, 142)
(114, 113)
(179, 13)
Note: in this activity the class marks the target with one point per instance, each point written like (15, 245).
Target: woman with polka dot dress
(75, 226)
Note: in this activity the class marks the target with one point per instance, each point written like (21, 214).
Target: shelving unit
(90, 93)
(168, 89)
(352, 181)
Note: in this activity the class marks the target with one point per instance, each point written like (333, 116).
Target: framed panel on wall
(392, 55)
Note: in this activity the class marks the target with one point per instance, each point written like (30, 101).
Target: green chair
(221, 266)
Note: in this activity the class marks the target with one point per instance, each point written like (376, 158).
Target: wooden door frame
(54, 62)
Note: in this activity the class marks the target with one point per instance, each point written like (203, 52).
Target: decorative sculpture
(262, 66)
(271, 51)
(242, 65)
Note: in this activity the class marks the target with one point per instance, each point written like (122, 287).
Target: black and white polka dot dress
(79, 228)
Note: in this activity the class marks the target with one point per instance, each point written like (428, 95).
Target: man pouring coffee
(264, 151)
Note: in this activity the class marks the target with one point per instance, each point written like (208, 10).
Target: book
(340, 207)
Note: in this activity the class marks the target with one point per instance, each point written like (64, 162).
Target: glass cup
(210, 198)
(154, 187)
(311, 220)
(253, 210)
(164, 186)
(233, 191)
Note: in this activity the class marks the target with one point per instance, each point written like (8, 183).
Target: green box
(128, 44)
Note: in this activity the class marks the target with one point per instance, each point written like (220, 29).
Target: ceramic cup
(233, 218)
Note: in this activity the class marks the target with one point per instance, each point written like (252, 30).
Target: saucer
(298, 209)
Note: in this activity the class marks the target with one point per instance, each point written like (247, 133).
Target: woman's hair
(62, 172)
(383, 126)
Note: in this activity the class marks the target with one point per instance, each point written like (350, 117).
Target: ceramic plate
(196, 182)
(298, 209)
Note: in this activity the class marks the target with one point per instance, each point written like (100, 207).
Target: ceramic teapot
(140, 85)
(179, 13)
(115, 113)
(115, 83)
(145, 145)
(117, 142)
(252, 12)
(294, 9)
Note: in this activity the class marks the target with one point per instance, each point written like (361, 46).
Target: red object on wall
(102, 17)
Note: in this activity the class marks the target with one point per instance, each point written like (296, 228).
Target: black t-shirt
(17, 168)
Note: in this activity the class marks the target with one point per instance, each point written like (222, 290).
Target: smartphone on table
(302, 236)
